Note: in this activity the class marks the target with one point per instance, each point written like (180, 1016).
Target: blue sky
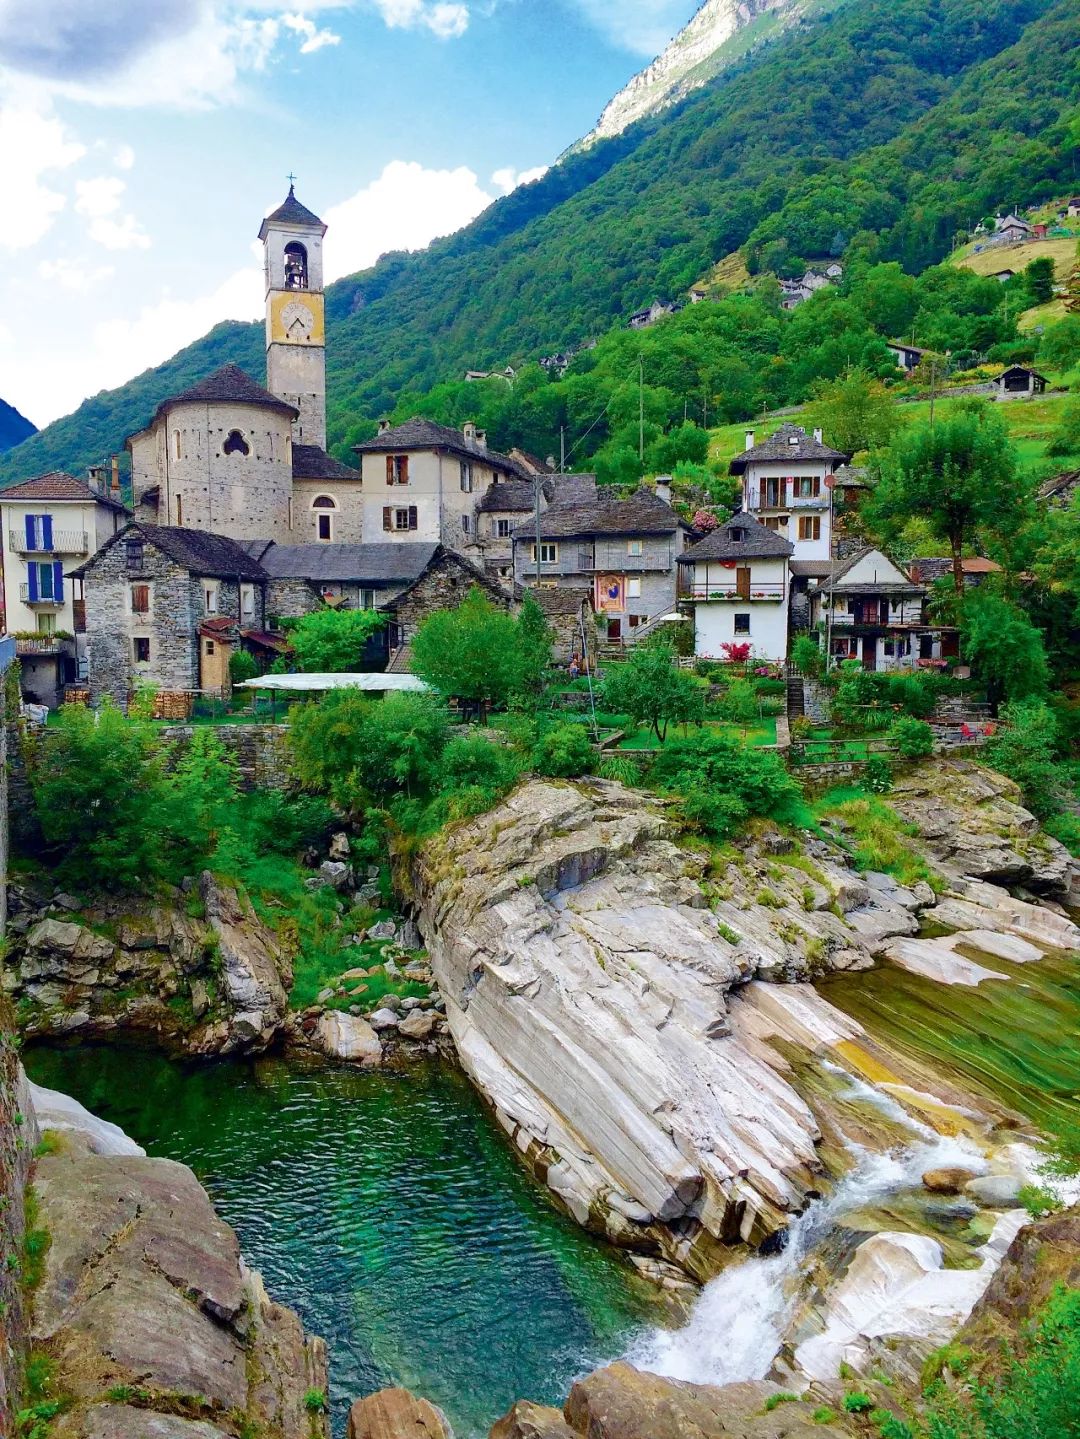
(141, 141)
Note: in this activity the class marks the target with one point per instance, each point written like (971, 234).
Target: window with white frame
(323, 507)
(633, 589)
(466, 476)
(502, 529)
(247, 602)
(549, 554)
(635, 547)
(210, 596)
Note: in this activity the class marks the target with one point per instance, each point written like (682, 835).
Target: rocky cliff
(718, 34)
(586, 961)
(197, 972)
(144, 1319)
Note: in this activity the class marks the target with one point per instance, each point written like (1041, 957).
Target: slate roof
(936, 567)
(421, 434)
(474, 573)
(561, 599)
(291, 212)
(231, 386)
(760, 543)
(810, 569)
(641, 514)
(512, 495)
(57, 485)
(311, 462)
(779, 447)
(375, 564)
(196, 550)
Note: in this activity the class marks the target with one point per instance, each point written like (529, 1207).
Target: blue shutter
(31, 580)
(46, 532)
(58, 580)
(29, 520)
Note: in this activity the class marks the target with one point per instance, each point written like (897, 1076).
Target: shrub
(722, 781)
(878, 776)
(333, 641)
(739, 704)
(913, 738)
(563, 751)
(1025, 750)
(472, 762)
(857, 1403)
(807, 656)
(623, 771)
(242, 667)
(652, 689)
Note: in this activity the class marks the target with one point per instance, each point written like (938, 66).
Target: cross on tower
(291, 179)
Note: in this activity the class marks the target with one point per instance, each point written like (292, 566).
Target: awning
(315, 684)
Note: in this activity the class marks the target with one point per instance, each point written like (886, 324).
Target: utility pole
(562, 449)
(933, 381)
(537, 479)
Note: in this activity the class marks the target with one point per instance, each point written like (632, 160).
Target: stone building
(161, 605)
(734, 584)
(572, 618)
(426, 482)
(47, 524)
(304, 578)
(875, 612)
(446, 580)
(295, 317)
(624, 550)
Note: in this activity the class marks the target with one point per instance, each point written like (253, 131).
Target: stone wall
(291, 598)
(17, 1139)
(445, 583)
(260, 751)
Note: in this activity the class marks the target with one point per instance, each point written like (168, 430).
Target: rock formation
(396, 1414)
(200, 972)
(152, 1323)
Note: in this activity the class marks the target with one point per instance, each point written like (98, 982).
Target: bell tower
(295, 324)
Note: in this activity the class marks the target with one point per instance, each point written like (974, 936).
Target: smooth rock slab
(348, 1037)
(396, 1414)
(121, 1421)
(532, 1421)
(996, 1191)
(64, 1114)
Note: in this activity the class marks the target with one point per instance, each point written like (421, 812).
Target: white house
(48, 524)
(735, 584)
(787, 485)
(873, 611)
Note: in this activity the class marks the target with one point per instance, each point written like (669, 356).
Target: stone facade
(291, 599)
(346, 517)
(260, 751)
(442, 586)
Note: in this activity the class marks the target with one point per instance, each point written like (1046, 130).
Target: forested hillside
(14, 427)
(878, 132)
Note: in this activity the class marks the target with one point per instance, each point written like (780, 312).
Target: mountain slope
(14, 427)
(891, 121)
(721, 32)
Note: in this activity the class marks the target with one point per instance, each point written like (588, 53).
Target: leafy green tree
(242, 667)
(201, 793)
(959, 475)
(652, 690)
(1025, 749)
(332, 641)
(475, 652)
(1039, 280)
(855, 412)
(533, 643)
(1004, 647)
(807, 656)
(1066, 437)
(1059, 348)
(739, 704)
(724, 782)
(100, 794)
(913, 738)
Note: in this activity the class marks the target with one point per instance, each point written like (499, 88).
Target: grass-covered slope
(899, 118)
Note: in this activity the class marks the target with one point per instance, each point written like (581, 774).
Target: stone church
(233, 458)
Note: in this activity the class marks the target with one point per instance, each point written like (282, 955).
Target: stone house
(423, 482)
(787, 484)
(304, 578)
(734, 584)
(907, 357)
(167, 606)
(1010, 230)
(505, 506)
(625, 549)
(874, 611)
(975, 570)
(572, 618)
(444, 582)
(47, 524)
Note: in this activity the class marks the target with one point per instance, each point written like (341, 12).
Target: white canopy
(311, 684)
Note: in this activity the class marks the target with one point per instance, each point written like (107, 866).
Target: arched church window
(235, 444)
(296, 266)
(324, 502)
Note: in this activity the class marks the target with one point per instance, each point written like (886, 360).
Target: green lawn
(763, 733)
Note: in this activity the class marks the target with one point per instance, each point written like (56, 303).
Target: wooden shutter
(46, 532)
(742, 582)
(32, 581)
(412, 517)
(387, 518)
(58, 581)
(817, 486)
(31, 538)
(389, 472)
(404, 462)
(140, 599)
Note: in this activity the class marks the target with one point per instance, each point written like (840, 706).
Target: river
(390, 1212)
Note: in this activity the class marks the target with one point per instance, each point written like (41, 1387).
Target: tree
(1004, 647)
(723, 781)
(739, 704)
(475, 652)
(201, 792)
(100, 793)
(1039, 280)
(332, 641)
(1059, 348)
(1025, 749)
(855, 412)
(652, 690)
(959, 475)
(533, 643)
(242, 666)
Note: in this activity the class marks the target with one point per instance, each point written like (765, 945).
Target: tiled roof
(311, 462)
(291, 212)
(56, 485)
(641, 514)
(231, 386)
(759, 543)
(376, 564)
(810, 569)
(196, 550)
(935, 567)
(790, 442)
(420, 434)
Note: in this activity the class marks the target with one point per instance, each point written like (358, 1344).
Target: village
(237, 521)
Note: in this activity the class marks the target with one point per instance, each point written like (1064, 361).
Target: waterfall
(738, 1322)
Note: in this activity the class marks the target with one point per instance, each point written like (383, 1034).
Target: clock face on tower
(296, 321)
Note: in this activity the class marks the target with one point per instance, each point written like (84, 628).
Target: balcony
(772, 593)
(29, 645)
(64, 542)
(39, 602)
(780, 499)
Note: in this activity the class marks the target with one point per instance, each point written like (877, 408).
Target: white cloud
(99, 201)
(313, 38)
(641, 26)
(508, 178)
(33, 146)
(406, 208)
(444, 19)
(74, 275)
(124, 158)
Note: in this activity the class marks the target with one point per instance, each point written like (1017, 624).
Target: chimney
(115, 485)
(817, 436)
(384, 425)
(469, 431)
(550, 462)
(481, 439)
(749, 439)
(663, 488)
(95, 477)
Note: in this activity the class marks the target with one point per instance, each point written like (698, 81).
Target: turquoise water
(390, 1213)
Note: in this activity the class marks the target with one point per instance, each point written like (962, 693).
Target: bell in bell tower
(295, 329)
